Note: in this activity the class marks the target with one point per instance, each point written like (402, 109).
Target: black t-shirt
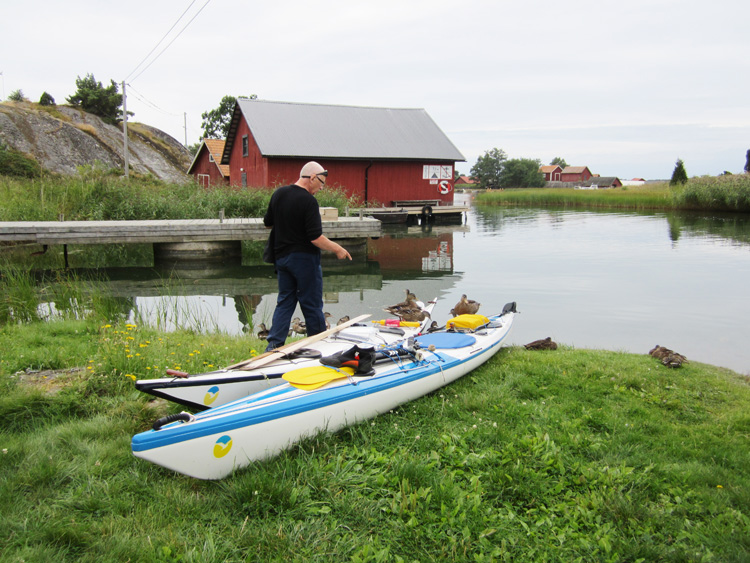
(294, 214)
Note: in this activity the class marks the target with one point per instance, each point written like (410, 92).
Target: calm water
(616, 281)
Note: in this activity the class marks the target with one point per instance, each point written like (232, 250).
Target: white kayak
(216, 388)
(215, 442)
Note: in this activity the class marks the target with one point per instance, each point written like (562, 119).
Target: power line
(160, 40)
(141, 97)
(168, 44)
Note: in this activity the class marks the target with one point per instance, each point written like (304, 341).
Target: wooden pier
(167, 231)
(177, 240)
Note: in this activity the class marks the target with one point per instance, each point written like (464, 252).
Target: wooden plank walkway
(183, 230)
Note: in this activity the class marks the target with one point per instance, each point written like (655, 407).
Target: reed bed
(96, 194)
(723, 193)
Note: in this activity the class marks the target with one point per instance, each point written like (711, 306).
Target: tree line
(494, 170)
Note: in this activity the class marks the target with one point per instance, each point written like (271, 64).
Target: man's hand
(342, 253)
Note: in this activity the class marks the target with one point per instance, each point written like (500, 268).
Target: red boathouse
(379, 155)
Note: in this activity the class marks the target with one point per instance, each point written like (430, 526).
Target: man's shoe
(361, 359)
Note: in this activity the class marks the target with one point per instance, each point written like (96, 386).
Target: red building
(207, 167)
(552, 172)
(376, 154)
(576, 174)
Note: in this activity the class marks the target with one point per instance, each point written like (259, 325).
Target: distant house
(578, 174)
(465, 180)
(552, 172)
(634, 182)
(376, 154)
(604, 182)
(207, 167)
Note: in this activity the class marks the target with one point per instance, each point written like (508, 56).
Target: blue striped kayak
(214, 443)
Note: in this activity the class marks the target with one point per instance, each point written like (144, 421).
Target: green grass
(97, 194)
(572, 455)
(722, 193)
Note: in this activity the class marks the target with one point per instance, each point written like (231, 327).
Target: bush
(46, 100)
(17, 96)
(14, 163)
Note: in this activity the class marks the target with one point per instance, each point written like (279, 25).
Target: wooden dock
(167, 231)
(412, 215)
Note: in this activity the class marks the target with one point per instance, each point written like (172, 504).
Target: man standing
(294, 214)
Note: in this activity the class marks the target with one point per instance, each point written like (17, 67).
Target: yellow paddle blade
(309, 387)
(315, 376)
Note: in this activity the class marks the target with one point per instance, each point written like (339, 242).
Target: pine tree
(46, 100)
(747, 162)
(94, 98)
(679, 176)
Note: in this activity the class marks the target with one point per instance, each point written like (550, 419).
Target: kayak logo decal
(222, 446)
(211, 395)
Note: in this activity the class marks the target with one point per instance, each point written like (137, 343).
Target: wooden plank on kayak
(281, 351)
(315, 376)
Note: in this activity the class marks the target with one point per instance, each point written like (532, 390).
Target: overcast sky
(625, 88)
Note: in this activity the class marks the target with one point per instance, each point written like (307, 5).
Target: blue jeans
(300, 279)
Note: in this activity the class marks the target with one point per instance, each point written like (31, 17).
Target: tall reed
(722, 193)
(96, 194)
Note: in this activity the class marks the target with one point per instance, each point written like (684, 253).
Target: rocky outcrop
(61, 138)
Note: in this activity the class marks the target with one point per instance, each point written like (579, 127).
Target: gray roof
(324, 131)
(601, 180)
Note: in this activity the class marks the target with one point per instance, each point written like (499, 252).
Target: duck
(262, 331)
(342, 320)
(668, 357)
(298, 327)
(328, 323)
(543, 344)
(412, 315)
(409, 303)
(465, 306)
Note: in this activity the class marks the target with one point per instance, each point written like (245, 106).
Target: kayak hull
(218, 441)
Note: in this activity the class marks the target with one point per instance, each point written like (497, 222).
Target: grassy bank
(722, 193)
(96, 194)
(571, 455)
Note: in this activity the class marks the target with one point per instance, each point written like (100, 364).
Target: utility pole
(125, 129)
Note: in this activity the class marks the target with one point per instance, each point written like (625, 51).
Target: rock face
(61, 138)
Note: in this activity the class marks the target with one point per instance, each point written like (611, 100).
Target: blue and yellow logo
(222, 446)
(211, 395)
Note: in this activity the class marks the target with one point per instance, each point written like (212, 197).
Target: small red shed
(378, 155)
(207, 167)
(552, 173)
